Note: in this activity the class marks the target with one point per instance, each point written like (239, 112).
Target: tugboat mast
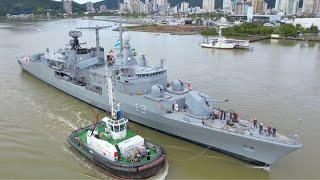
(110, 94)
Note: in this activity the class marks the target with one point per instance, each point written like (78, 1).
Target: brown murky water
(278, 81)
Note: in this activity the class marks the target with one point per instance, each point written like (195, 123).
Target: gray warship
(147, 98)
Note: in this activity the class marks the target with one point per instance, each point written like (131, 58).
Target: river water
(277, 81)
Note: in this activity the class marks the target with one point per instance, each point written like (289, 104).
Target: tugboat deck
(100, 128)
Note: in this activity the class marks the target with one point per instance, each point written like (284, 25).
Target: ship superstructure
(149, 99)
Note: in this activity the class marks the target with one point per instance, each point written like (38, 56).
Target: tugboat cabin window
(122, 127)
(116, 128)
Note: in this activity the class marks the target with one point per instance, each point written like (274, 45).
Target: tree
(313, 29)
(287, 30)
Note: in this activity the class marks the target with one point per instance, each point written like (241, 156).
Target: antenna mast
(121, 32)
(97, 29)
(110, 94)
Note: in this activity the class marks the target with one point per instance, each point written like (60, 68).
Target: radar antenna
(75, 45)
(97, 29)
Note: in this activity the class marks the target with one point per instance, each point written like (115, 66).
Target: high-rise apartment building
(208, 5)
(67, 6)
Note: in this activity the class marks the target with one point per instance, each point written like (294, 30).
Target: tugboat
(116, 149)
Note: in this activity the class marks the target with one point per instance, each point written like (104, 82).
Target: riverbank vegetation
(258, 29)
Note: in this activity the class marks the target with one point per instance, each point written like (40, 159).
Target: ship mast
(97, 29)
(110, 94)
(120, 33)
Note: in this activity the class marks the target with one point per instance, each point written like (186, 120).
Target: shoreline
(192, 30)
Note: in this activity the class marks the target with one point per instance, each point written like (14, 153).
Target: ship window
(121, 127)
(111, 128)
(116, 128)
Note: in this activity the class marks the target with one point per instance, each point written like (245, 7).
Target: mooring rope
(192, 158)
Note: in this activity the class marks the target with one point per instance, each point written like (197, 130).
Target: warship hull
(250, 149)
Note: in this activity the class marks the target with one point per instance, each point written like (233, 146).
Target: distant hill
(35, 6)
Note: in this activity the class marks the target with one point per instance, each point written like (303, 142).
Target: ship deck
(243, 128)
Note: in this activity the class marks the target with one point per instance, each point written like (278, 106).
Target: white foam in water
(61, 119)
(266, 168)
(161, 175)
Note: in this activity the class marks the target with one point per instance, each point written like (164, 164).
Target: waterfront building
(103, 8)
(288, 7)
(249, 14)
(227, 6)
(161, 2)
(67, 6)
(293, 6)
(174, 10)
(90, 8)
(240, 7)
(148, 6)
(184, 7)
(257, 6)
(208, 5)
(154, 6)
(163, 7)
(311, 7)
(195, 9)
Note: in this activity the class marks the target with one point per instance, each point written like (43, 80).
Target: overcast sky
(83, 1)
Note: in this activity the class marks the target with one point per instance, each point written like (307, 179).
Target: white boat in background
(219, 43)
(223, 43)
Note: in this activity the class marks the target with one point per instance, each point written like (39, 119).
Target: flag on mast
(117, 44)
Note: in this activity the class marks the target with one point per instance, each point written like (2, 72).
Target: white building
(293, 6)
(174, 10)
(67, 6)
(227, 6)
(311, 6)
(162, 2)
(208, 5)
(163, 7)
(249, 14)
(90, 8)
(184, 7)
(154, 6)
(147, 6)
(103, 8)
(288, 7)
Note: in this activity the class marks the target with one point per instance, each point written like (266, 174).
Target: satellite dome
(126, 37)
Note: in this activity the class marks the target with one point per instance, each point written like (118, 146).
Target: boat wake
(61, 119)
(161, 175)
(266, 168)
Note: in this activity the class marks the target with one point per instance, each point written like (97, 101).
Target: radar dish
(75, 34)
